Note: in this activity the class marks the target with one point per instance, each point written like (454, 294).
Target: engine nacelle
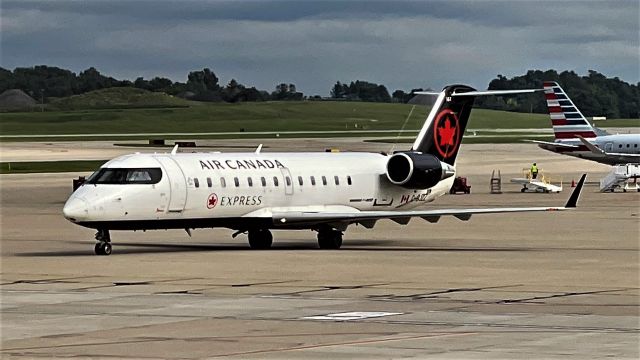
(417, 171)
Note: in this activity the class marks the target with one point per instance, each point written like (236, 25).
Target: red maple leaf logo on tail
(447, 133)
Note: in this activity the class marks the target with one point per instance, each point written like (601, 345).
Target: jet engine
(414, 170)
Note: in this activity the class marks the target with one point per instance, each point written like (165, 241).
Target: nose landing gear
(103, 247)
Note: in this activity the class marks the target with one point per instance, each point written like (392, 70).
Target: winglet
(175, 150)
(258, 149)
(573, 199)
(594, 149)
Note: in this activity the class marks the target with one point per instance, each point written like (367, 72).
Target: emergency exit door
(177, 181)
(288, 181)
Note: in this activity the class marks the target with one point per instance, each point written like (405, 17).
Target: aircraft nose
(75, 209)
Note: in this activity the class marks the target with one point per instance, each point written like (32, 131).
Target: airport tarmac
(541, 285)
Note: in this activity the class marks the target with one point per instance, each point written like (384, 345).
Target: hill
(118, 98)
(16, 100)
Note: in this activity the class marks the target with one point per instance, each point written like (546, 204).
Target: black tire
(260, 239)
(106, 249)
(330, 240)
(523, 190)
(102, 248)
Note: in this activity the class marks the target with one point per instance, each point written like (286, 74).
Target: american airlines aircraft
(257, 192)
(575, 136)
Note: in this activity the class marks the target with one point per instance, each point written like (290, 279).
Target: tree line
(594, 94)
(45, 82)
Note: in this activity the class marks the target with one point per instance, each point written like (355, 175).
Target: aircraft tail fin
(444, 127)
(442, 132)
(567, 121)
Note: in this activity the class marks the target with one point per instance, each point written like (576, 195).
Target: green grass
(264, 116)
(617, 123)
(494, 139)
(250, 117)
(49, 166)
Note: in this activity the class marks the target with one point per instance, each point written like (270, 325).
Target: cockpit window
(126, 176)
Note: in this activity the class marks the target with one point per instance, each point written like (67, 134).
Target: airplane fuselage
(239, 190)
(620, 148)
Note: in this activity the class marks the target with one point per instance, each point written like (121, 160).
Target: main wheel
(260, 239)
(330, 239)
(103, 248)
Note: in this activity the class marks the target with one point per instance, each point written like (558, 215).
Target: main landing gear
(260, 239)
(103, 247)
(329, 239)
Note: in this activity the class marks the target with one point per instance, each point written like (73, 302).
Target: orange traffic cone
(573, 183)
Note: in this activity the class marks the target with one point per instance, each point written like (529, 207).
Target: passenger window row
(628, 145)
(263, 181)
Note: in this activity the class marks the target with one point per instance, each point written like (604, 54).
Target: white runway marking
(355, 315)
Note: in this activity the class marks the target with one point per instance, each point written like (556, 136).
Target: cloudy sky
(401, 44)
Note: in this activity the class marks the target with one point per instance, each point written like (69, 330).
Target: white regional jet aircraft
(574, 135)
(257, 192)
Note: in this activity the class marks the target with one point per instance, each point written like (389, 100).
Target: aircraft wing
(596, 150)
(295, 218)
(554, 144)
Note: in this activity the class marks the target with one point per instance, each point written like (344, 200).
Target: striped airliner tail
(568, 122)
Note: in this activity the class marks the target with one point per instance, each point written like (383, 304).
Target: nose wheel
(103, 247)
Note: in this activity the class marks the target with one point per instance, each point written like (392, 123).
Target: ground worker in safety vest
(534, 171)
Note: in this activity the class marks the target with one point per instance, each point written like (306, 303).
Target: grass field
(49, 166)
(265, 116)
(161, 113)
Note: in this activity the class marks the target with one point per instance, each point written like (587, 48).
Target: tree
(231, 93)
(200, 81)
(141, 83)
(594, 94)
(361, 90)
(160, 84)
(286, 92)
(339, 90)
(7, 80)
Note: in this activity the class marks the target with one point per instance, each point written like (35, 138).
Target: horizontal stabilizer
(556, 144)
(482, 93)
(496, 92)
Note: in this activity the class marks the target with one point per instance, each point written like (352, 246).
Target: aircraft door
(177, 181)
(288, 181)
(608, 147)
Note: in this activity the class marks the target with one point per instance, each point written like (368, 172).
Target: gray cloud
(314, 43)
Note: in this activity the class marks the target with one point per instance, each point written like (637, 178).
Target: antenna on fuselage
(258, 149)
(175, 150)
